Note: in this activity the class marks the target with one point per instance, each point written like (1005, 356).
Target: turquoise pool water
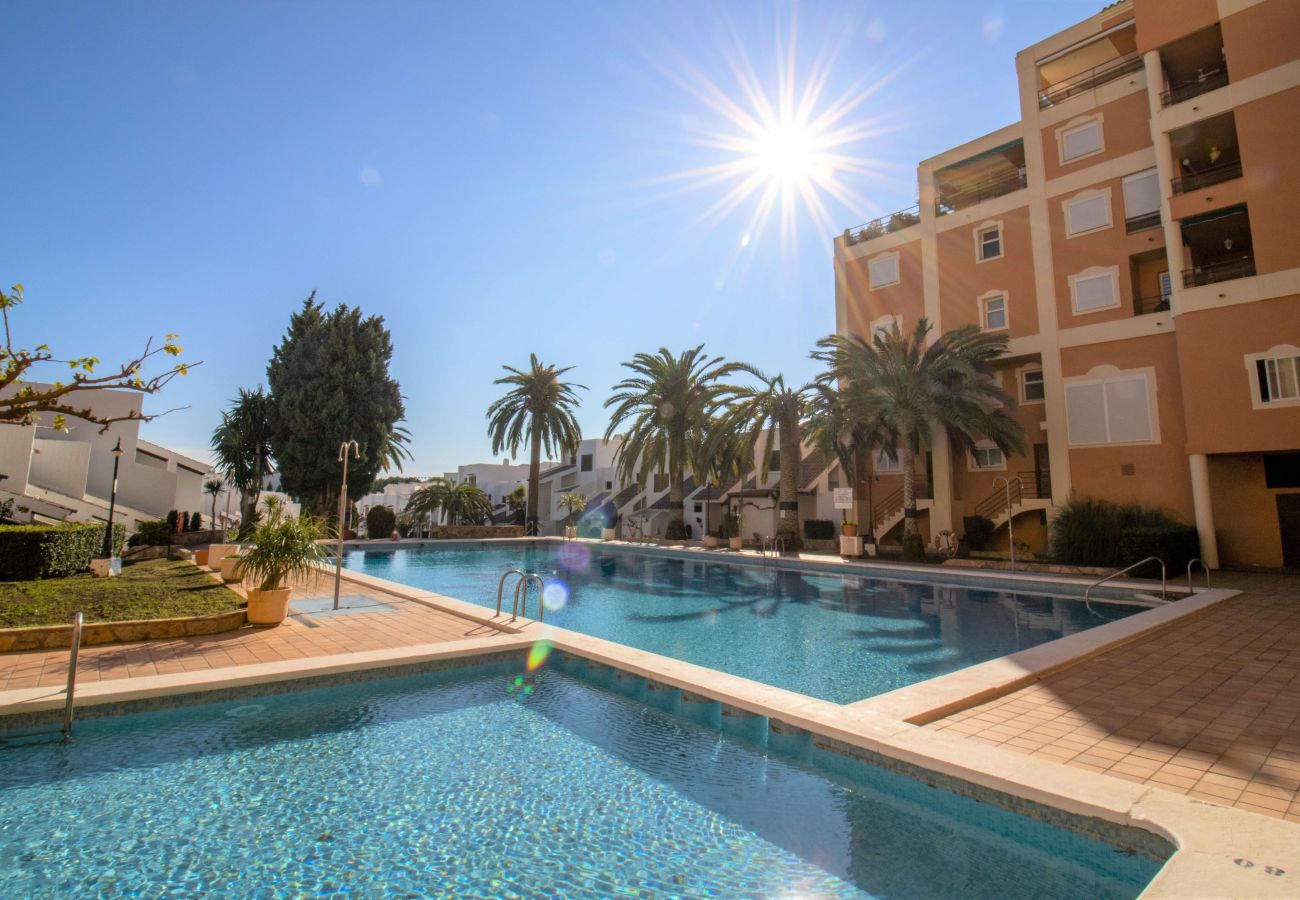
(839, 638)
(451, 785)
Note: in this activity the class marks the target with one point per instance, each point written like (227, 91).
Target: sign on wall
(843, 498)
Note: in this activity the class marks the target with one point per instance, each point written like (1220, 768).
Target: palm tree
(573, 504)
(540, 409)
(832, 429)
(242, 445)
(721, 457)
(667, 402)
(461, 504)
(772, 413)
(213, 487)
(911, 388)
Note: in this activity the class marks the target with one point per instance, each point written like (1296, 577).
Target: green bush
(153, 533)
(979, 532)
(729, 527)
(913, 548)
(173, 522)
(1176, 545)
(52, 551)
(1093, 532)
(818, 530)
(380, 522)
(196, 522)
(676, 530)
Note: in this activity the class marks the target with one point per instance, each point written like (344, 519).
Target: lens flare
(574, 556)
(537, 655)
(555, 597)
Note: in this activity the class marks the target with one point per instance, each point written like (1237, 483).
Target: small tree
(573, 504)
(517, 504)
(196, 522)
(380, 522)
(212, 487)
(460, 504)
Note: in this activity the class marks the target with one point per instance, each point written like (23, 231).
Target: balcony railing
(1220, 270)
(980, 191)
(1088, 79)
(1145, 306)
(895, 221)
(1202, 84)
(1224, 171)
(1142, 222)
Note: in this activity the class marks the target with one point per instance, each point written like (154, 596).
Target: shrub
(286, 548)
(1093, 532)
(52, 551)
(979, 532)
(380, 522)
(173, 522)
(153, 533)
(196, 522)
(676, 531)
(729, 527)
(1176, 545)
(818, 530)
(913, 548)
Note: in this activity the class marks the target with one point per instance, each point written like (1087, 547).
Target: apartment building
(1136, 236)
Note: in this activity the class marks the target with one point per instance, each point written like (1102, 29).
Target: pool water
(450, 784)
(840, 638)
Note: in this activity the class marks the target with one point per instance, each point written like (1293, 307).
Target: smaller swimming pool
(842, 638)
(481, 782)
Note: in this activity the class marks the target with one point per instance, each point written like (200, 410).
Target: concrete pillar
(941, 517)
(1204, 509)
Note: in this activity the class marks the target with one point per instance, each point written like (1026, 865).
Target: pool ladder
(1164, 581)
(521, 592)
(775, 544)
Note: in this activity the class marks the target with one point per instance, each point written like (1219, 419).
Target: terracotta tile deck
(402, 624)
(1209, 707)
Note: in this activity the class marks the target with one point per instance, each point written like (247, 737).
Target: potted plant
(284, 548)
(711, 540)
(228, 566)
(610, 531)
(849, 528)
(729, 528)
(573, 504)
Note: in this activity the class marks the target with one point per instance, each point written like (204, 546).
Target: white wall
(61, 466)
(15, 456)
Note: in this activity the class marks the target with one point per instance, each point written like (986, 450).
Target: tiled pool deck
(1208, 707)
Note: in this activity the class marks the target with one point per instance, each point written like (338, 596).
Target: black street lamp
(112, 501)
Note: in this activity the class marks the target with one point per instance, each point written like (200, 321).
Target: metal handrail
(72, 675)
(1186, 90)
(1164, 583)
(1216, 174)
(887, 224)
(1088, 79)
(1220, 270)
(979, 191)
(1204, 568)
(522, 587)
(501, 585)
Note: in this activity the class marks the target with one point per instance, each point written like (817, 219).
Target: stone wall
(47, 637)
(476, 532)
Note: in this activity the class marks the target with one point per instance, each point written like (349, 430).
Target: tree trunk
(676, 529)
(247, 510)
(531, 525)
(788, 490)
(909, 489)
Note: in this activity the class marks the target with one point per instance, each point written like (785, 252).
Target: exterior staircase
(1027, 492)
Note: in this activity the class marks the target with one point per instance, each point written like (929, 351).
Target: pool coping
(1220, 851)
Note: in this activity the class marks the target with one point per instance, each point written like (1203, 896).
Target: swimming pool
(453, 784)
(840, 638)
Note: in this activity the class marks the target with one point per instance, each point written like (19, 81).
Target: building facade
(1135, 237)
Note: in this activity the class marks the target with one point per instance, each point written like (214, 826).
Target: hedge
(154, 533)
(52, 551)
(1176, 545)
(818, 530)
(380, 522)
(979, 532)
(1092, 532)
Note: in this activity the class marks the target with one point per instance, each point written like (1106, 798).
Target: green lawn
(154, 589)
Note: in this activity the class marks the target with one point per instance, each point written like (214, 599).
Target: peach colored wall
(1029, 528)
(1269, 133)
(1161, 474)
(1208, 199)
(970, 488)
(1162, 21)
(1212, 346)
(1124, 129)
(1261, 37)
(1245, 511)
(1108, 247)
(907, 298)
(962, 279)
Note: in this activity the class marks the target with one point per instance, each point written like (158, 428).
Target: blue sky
(493, 178)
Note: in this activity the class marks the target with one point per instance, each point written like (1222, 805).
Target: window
(1093, 290)
(661, 481)
(1141, 194)
(586, 462)
(1032, 388)
(882, 270)
(1084, 214)
(1080, 141)
(993, 312)
(988, 242)
(1279, 378)
(886, 324)
(1166, 288)
(881, 464)
(774, 461)
(609, 485)
(1113, 410)
(987, 456)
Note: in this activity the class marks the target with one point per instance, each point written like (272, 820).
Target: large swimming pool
(455, 785)
(840, 638)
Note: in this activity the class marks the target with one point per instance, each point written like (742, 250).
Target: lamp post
(343, 500)
(112, 501)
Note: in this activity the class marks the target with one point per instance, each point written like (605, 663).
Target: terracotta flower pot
(571, 532)
(200, 557)
(850, 530)
(228, 566)
(268, 607)
(734, 543)
(710, 541)
(608, 534)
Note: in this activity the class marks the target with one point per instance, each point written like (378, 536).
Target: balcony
(1149, 278)
(1086, 66)
(1206, 153)
(895, 221)
(982, 177)
(1208, 176)
(1193, 65)
(1144, 222)
(1219, 247)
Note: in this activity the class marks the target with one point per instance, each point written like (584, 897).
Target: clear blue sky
(492, 178)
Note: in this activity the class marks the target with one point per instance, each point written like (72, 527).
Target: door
(1288, 520)
(1042, 472)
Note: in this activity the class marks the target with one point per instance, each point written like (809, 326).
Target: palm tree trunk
(788, 491)
(909, 489)
(534, 479)
(677, 487)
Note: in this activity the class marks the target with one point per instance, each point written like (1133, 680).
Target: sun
(788, 154)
